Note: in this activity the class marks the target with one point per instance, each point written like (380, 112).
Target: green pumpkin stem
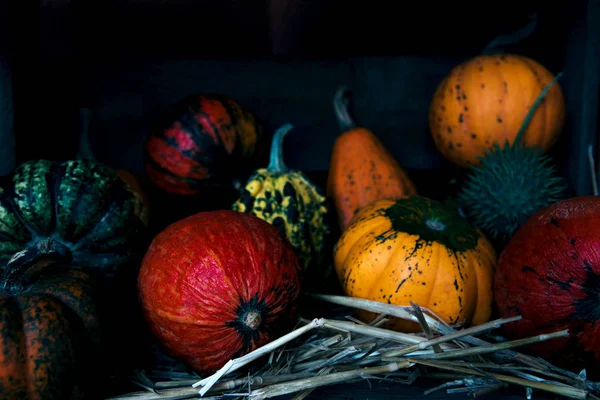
(340, 105)
(498, 44)
(276, 164)
(532, 110)
(27, 265)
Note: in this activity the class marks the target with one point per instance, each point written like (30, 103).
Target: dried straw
(338, 352)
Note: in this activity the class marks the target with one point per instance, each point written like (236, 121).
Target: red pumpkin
(216, 285)
(202, 138)
(549, 273)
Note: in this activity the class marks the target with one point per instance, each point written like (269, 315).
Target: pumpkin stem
(276, 164)
(85, 148)
(252, 320)
(27, 265)
(497, 44)
(340, 105)
(533, 108)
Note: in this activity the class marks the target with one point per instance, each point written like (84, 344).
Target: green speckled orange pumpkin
(81, 206)
(49, 332)
(417, 249)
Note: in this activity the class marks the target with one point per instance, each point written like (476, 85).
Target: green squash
(79, 210)
(288, 200)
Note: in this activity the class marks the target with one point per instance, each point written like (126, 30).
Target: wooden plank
(582, 86)
(7, 134)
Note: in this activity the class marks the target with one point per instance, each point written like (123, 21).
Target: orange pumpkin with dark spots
(203, 139)
(361, 169)
(484, 101)
(49, 330)
(420, 250)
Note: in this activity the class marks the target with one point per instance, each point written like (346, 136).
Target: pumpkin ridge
(109, 209)
(459, 265)
(435, 275)
(233, 111)
(191, 182)
(217, 141)
(76, 197)
(25, 199)
(349, 252)
(477, 269)
(23, 342)
(588, 308)
(11, 207)
(11, 317)
(55, 176)
(501, 116)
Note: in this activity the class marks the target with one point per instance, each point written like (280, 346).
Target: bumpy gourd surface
(81, 204)
(291, 203)
(415, 249)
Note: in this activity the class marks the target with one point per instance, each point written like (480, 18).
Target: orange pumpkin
(361, 169)
(484, 100)
(417, 249)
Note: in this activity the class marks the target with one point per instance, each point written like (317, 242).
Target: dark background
(129, 60)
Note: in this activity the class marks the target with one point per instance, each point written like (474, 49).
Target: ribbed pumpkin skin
(361, 171)
(485, 100)
(205, 276)
(201, 138)
(43, 328)
(83, 205)
(415, 249)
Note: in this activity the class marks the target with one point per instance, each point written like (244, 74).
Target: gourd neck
(532, 110)
(340, 106)
(29, 264)
(276, 164)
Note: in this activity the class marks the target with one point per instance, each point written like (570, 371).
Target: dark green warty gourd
(77, 210)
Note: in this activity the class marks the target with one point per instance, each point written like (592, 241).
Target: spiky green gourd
(511, 184)
(288, 200)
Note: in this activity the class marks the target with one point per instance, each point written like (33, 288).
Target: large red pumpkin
(203, 138)
(549, 273)
(216, 285)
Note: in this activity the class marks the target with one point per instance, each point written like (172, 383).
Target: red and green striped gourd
(204, 140)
